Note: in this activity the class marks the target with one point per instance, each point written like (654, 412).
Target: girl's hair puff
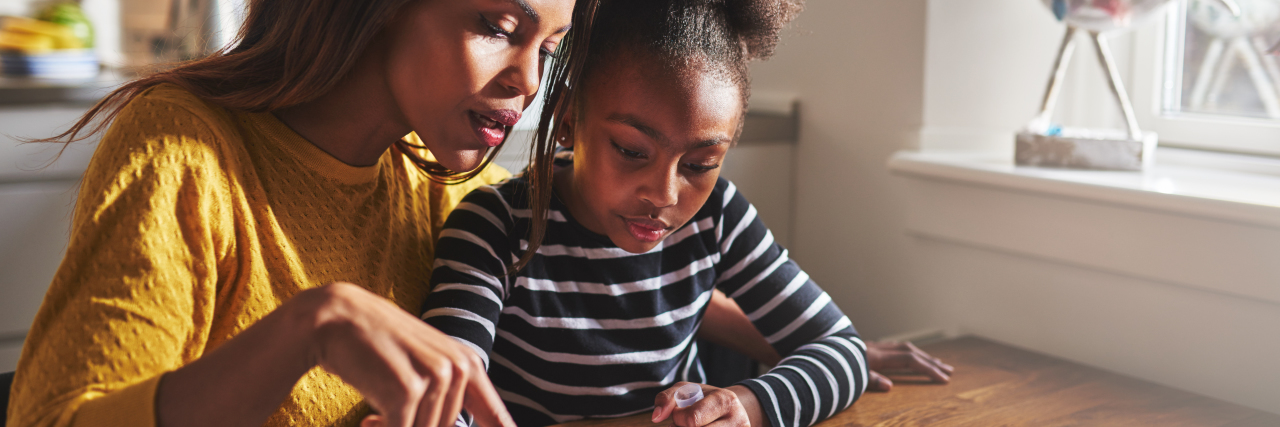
(691, 36)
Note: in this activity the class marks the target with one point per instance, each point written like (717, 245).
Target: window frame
(1156, 81)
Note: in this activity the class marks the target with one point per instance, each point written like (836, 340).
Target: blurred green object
(70, 15)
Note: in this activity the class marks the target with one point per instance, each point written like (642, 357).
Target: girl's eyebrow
(709, 143)
(639, 125)
(649, 131)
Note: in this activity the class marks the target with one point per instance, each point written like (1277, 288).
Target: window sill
(1184, 186)
(1192, 226)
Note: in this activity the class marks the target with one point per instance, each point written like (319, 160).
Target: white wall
(877, 76)
(858, 69)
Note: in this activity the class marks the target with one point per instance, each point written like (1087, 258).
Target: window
(1203, 77)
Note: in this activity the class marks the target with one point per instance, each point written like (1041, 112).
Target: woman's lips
(506, 117)
(646, 230)
(491, 127)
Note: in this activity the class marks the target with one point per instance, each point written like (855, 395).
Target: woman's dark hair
(680, 36)
(279, 62)
(568, 66)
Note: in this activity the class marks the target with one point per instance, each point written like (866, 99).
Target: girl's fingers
(938, 362)
(879, 382)
(665, 403)
(729, 422)
(923, 365)
(660, 412)
(905, 355)
(719, 405)
(933, 360)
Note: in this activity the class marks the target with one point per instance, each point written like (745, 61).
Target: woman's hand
(410, 373)
(728, 407)
(902, 356)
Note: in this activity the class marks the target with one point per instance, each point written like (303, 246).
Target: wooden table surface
(998, 385)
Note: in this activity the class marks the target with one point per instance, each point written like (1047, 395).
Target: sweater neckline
(311, 156)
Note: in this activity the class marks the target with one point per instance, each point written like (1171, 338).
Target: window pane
(1225, 67)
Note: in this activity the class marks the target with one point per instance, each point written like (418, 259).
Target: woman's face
(462, 71)
(647, 150)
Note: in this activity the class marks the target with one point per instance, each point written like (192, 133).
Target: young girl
(601, 320)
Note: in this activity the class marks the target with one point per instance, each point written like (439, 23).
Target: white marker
(688, 395)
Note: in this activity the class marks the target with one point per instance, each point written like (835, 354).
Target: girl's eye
(701, 169)
(627, 153)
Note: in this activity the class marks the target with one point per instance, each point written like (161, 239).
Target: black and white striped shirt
(590, 330)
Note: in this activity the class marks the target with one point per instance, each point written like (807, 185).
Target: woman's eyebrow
(528, 10)
(534, 16)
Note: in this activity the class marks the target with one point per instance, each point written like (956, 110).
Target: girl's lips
(489, 131)
(646, 230)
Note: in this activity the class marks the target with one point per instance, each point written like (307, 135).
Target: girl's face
(647, 150)
(461, 71)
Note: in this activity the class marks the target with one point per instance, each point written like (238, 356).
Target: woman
(253, 228)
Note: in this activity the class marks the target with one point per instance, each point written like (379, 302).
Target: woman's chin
(461, 160)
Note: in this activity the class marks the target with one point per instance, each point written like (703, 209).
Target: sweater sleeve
(469, 280)
(138, 272)
(824, 366)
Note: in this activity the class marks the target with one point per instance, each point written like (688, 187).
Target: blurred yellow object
(26, 42)
(63, 36)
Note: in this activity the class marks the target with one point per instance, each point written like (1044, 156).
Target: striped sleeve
(469, 281)
(824, 369)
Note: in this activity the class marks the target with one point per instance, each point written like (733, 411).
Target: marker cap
(688, 394)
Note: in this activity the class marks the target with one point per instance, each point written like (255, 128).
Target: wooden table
(997, 385)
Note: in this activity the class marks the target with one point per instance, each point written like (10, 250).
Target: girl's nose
(663, 187)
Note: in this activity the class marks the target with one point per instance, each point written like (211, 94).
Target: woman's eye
(545, 53)
(493, 29)
(626, 152)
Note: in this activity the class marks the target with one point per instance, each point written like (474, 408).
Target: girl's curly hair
(691, 36)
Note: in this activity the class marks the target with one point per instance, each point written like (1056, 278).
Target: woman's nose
(525, 73)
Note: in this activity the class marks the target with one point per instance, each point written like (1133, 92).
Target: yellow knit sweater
(192, 223)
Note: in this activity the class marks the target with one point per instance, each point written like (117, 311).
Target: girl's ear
(564, 136)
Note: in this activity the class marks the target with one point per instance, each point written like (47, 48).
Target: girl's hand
(719, 407)
(410, 373)
(902, 357)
